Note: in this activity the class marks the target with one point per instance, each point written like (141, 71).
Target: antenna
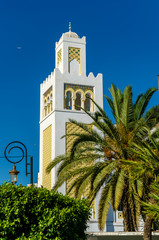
(69, 26)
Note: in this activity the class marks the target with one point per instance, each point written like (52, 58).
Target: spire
(69, 26)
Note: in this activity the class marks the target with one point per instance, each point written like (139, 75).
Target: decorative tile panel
(47, 155)
(74, 53)
(76, 87)
(59, 57)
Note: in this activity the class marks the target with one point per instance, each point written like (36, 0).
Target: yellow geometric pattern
(59, 57)
(47, 155)
(70, 129)
(74, 53)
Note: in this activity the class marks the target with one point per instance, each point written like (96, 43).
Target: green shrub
(37, 213)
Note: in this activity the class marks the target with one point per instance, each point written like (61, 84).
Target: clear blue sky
(122, 43)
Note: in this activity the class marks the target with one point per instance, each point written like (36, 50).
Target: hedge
(37, 213)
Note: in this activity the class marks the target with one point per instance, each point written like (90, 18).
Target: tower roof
(71, 34)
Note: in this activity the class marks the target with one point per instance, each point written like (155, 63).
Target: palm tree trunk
(127, 215)
(147, 228)
(148, 224)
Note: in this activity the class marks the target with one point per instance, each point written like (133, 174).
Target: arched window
(45, 108)
(87, 103)
(69, 100)
(51, 97)
(78, 101)
(48, 104)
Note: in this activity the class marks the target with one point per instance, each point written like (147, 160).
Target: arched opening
(74, 66)
(87, 102)
(69, 100)
(48, 104)
(45, 103)
(45, 108)
(51, 97)
(78, 101)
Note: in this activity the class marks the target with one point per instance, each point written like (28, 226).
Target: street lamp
(14, 175)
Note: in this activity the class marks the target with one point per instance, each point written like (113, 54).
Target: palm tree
(107, 144)
(146, 168)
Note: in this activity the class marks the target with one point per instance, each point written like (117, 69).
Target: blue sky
(122, 43)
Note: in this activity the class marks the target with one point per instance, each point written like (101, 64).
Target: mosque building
(66, 88)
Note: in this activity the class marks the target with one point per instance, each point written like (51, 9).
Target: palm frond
(140, 186)
(143, 102)
(114, 93)
(104, 205)
(111, 105)
(127, 109)
(119, 188)
(138, 99)
(152, 117)
(57, 160)
(69, 174)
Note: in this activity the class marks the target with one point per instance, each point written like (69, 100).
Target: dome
(71, 34)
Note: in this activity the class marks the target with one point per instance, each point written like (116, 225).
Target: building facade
(60, 95)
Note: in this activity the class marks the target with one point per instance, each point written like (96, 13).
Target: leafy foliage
(37, 213)
(152, 209)
(145, 167)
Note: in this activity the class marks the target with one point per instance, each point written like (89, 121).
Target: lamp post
(14, 173)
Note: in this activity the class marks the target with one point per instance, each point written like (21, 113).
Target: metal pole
(31, 170)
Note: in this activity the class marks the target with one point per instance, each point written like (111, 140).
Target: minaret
(66, 88)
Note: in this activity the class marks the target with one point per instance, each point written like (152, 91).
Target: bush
(37, 213)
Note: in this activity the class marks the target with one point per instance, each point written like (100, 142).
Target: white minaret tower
(66, 87)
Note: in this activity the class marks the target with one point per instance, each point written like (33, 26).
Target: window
(45, 108)
(78, 101)
(51, 97)
(69, 100)
(48, 104)
(87, 103)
